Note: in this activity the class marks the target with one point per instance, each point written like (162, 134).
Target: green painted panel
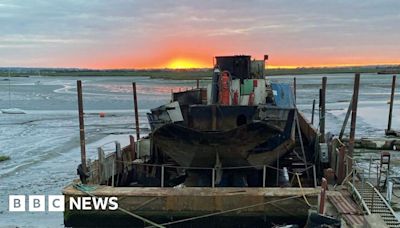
(247, 87)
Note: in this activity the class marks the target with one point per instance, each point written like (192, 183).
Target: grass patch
(4, 158)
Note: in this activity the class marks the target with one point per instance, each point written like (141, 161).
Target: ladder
(384, 170)
(373, 203)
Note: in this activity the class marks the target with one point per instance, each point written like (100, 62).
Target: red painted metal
(255, 83)
(224, 88)
(322, 201)
(322, 196)
(235, 98)
(251, 98)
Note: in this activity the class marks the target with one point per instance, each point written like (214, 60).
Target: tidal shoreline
(185, 74)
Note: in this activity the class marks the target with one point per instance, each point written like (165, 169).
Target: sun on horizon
(184, 63)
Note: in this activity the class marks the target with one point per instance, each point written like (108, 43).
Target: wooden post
(341, 156)
(322, 120)
(346, 119)
(295, 89)
(354, 114)
(391, 104)
(197, 83)
(136, 111)
(313, 111)
(100, 173)
(81, 126)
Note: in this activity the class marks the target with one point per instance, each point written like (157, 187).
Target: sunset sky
(155, 34)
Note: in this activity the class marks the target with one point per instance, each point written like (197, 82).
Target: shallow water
(44, 143)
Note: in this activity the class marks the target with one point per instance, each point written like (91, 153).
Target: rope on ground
(81, 188)
(230, 210)
(302, 192)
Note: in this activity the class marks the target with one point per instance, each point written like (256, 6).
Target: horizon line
(274, 67)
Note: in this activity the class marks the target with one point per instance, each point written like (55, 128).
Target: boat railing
(215, 170)
(113, 169)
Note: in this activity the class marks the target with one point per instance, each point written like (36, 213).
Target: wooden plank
(101, 164)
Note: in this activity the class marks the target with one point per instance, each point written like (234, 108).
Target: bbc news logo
(38, 203)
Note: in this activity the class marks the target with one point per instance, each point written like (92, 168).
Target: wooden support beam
(295, 89)
(101, 166)
(346, 119)
(389, 127)
(341, 172)
(322, 104)
(136, 111)
(313, 112)
(81, 126)
(354, 113)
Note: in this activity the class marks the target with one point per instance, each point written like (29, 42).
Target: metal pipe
(113, 173)
(322, 120)
(136, 111)
(313, 111)
(81, 126)
(162, 176)
(213, 178)
(354, 113)
(315, 175)
(277, 170)
(363, 180)
(264, 175)
(391, 103)
(373, 199)
(369, 168)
